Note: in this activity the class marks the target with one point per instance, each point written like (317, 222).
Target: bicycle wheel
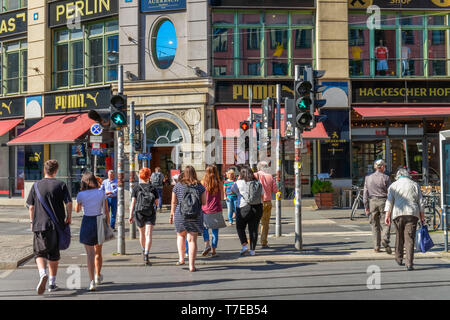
(432, 219)
(354, 208)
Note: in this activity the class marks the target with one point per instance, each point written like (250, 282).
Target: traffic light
(244, 125)
(118, 111)
(312, 76)
(100, 116)
(268, 107)
(302, 97)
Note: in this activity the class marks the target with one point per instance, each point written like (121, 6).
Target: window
(8, 5)
(15, 67)
(399, 48)
(261, 42)
(87, 55)
(164, 44)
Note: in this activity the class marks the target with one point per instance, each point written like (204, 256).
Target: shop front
(64, 134)
(398, 121)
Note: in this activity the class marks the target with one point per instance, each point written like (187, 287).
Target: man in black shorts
(45, 242)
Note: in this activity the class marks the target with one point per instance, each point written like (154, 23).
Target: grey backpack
(254, 192)
(190, 204)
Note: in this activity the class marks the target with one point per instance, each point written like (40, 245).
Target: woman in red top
(212, 210)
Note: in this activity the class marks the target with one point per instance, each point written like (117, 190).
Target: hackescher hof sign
(162, 5)
(70, 12)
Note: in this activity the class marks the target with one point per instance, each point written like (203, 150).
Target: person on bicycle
(374, 197)
(404, 206)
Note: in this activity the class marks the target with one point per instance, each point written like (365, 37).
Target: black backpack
(190, 204)
(157, 179)
(145, 202)
(254, 192)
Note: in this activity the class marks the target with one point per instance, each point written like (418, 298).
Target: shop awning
(55, 130)
(402, 112)
(6, 125)
(228, 119)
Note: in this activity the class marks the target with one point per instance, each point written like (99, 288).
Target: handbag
(63, 233)
(104, 231)
(424, 241)
(214, 220)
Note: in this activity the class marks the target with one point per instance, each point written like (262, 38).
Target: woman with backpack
(250, 193)
(92, 199)
(144, 199)
(188, 196)
(212, 210)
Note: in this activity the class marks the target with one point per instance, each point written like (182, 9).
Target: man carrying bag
(50, 209)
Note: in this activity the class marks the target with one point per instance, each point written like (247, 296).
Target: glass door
(364, 155)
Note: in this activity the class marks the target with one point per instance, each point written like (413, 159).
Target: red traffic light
(245, 125)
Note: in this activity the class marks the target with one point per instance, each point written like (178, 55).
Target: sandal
(180, 263)
(193, 270)
(214, 255)
(206, 251)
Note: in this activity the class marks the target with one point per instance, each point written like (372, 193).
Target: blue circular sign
(96, 129)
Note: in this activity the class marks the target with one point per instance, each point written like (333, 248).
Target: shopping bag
(425, 243)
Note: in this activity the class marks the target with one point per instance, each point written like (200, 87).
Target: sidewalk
(327, 236)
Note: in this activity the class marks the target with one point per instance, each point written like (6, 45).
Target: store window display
(382, 56)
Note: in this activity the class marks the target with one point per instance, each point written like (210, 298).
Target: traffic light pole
(278, 199)
(120, 179)
(132, 129)
(250, 143)
(298, 181)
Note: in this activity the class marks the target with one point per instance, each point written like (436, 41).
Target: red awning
(228, 119)
(55, 129)
(6, 125)
(402, 112)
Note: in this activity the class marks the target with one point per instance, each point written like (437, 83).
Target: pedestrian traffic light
(302, 97)
(244, 125)
(268, 108)
(118, 111)
(312, 76)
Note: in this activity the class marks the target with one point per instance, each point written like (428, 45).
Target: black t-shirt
(55, 193)
(147, 187)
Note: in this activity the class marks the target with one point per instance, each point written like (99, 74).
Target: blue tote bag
(424, 241)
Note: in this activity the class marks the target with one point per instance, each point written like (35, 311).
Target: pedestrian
(187, 187)
(158, 179)
(45, 237)
(145, 214)
(375, 193)
(270, 188)
(109, 186)
(230, 197)
(404, 206)
(212, 210)
(93, 201)
(250, 192)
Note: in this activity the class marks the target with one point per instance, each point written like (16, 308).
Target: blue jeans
(231, 205)
(112, 205)
(215, 236)
(160, 192)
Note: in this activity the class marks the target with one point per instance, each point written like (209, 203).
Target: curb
(9, 265)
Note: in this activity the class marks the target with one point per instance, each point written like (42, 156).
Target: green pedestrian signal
(118, 111)
(118, 118)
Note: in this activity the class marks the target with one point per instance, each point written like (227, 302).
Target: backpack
(190, 204)
(157, 179)
(145, 202)
(254, 192)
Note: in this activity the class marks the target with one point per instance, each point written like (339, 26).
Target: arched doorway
(162, 137)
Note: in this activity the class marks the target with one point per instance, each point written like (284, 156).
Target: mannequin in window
(357, 63)
(406, 53)
(382, 55)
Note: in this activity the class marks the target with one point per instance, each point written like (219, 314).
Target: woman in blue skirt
(91, 199)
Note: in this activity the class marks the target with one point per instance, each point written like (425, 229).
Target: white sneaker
(98, 280)
(92, 286)
(41, 285)
(244, 250)
(252, 252)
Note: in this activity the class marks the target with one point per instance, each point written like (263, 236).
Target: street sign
(96, 129)
(98, 152)
(144, 156)
(96, 145)
(95, 139)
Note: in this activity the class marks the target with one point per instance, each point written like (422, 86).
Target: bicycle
(433, 217)
(358, 200)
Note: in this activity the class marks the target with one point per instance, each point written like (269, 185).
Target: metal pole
(250, 143)
(298, 191)
(132, 129)
(278, 154)
(144, 140)
(120, 180)
(444, 220)
(95, 165)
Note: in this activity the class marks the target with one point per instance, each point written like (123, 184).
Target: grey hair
(262, 165)
(402, 172)
(110, 171)
(379, 163)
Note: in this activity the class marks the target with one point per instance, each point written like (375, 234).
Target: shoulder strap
(47, 209)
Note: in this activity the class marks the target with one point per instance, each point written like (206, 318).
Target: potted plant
(323, 194)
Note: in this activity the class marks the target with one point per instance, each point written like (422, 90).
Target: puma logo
(89, 96)
(286, 88)
(7, 106)
(37, 156)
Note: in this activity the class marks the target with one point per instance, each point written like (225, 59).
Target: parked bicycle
(358, 200)
(433, 217)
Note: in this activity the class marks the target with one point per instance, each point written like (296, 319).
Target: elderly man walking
(375, 194)
(404, 206)
(109, 186)
(270, 187)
